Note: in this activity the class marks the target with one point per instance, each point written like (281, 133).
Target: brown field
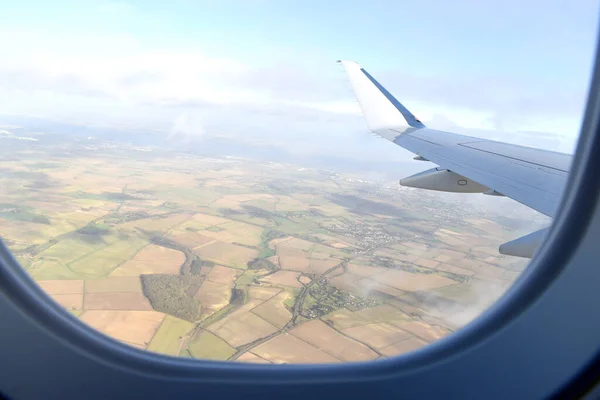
(339, 245)
(262, 293)
(252, 358)
(423, 330)
(321, 251)
(159, 254)
(347, 282)
(400, 255)
(382, 313)
(136, 327)
(274, 260)
(114, 284)
(443, 258)
(116, 301)
(61, 287)
(484, 270)
(410, 282)
(304, 280)
(238, 232)
(213, 296)
(296, 244)
(289, 252)
(250, 196)
(454, 270)
(402, 347)
(137, 268)
(284, 278)
(317, 255)
(191, 239)
(377, 335)
(344, 318)
(223, 275)
(69, 301)
(287, 203)
(363, 287)
(273, 311)
(452, 254)
(327, 339)
(287, 349)
(295, 263)
(209, 220)
(275, 242)
(157, 224)
(137, 346)
(368, 287)
(320, 266)
(152, 259)
(227, 254)
(427, 263)
(226, 203)
(242, 326)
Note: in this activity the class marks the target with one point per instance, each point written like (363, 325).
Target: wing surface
(533, 177)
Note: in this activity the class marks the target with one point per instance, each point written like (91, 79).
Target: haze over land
(190, 251)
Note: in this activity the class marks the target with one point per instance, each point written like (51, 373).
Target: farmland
(230, 259)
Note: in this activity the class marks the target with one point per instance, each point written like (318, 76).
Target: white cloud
(116, 77)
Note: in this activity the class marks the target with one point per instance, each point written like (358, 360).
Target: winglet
(380, 109)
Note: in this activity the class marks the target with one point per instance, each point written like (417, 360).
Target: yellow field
(252, 358)
(378, 336)
(213, 296)
(242, 326)
(423, 330)
(236, 232)
(208, 346)
(273, 311)
(168, 337)
(102, 262)
(287, 349)
(152, 259)
(284, 278)
(296, 244)
(51, 269)
(402, 347)
(410, 282)
(191, 239)
(263, 293)
(344, 318)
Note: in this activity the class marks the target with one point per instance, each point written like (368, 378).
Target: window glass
(197, 178)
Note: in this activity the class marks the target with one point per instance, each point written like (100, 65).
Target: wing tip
(349, 62)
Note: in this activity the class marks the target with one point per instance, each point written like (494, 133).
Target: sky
(264, 70)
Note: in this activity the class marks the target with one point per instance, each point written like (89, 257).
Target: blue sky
(266, 68)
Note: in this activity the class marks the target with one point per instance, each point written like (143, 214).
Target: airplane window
(201, 179)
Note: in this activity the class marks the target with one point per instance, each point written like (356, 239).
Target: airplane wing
(533, 177)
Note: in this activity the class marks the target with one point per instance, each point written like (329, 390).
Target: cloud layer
(121, 80)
